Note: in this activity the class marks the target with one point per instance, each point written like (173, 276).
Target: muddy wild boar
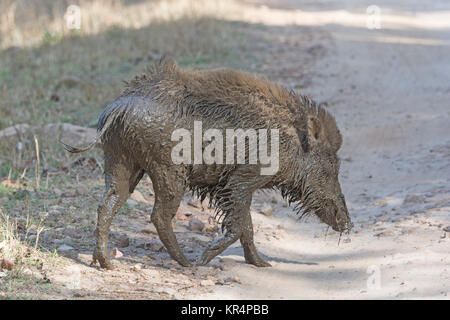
(137, 134)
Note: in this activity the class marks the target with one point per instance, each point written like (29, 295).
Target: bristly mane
(242, 99)
(237, 96)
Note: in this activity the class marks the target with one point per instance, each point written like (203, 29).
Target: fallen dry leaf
(115, 253)
(12, 184)
(7, 264)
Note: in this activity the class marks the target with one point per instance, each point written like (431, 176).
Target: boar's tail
(88, 147)
(106, 118)
(79, 150)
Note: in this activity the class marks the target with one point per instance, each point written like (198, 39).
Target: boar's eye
(334, 165)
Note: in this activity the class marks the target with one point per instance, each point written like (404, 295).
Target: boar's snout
(343, 221)
(336, 215)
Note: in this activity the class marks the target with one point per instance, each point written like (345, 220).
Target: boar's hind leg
(169, 185)
(120, 180)
(250, 253)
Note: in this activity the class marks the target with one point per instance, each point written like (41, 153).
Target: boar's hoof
(104, 262)
(185, 263)
(260, 263)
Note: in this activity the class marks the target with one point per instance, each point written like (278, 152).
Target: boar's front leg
(236, 206)
(250, 253)
(169, 184)
(235, 200)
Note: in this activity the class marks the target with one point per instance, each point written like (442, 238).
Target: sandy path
(390, 92)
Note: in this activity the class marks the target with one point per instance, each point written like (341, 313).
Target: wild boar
(137, 134)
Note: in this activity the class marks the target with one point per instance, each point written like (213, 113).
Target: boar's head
(316, 186)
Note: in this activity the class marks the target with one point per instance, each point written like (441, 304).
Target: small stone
(201, 237)
(68, 240)
(266, 209)
(233, 279)
(137, 267)
(57, 192)
(115, 253)
(196, 225)
(33, 274)
(64, 248)
(446, 229)
(7, 264)
(72, 233)
(150, 230)
(79, 294)
(123, 242)
(82, 190)
(131, 203)
(4, 200)
(207, 283)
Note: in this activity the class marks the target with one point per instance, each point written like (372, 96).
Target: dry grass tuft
(19, 238)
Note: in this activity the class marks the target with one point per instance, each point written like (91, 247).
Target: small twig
(38, 164)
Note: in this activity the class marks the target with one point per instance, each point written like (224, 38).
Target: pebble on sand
(266, 209)
(82, 190)
(207, 283)
(196, 225)
(123, 242)
(64, 248)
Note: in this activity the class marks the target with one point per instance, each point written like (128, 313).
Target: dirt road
(389, 89)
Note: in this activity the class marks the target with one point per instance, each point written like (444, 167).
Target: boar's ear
(316, 135)
(303, 136)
